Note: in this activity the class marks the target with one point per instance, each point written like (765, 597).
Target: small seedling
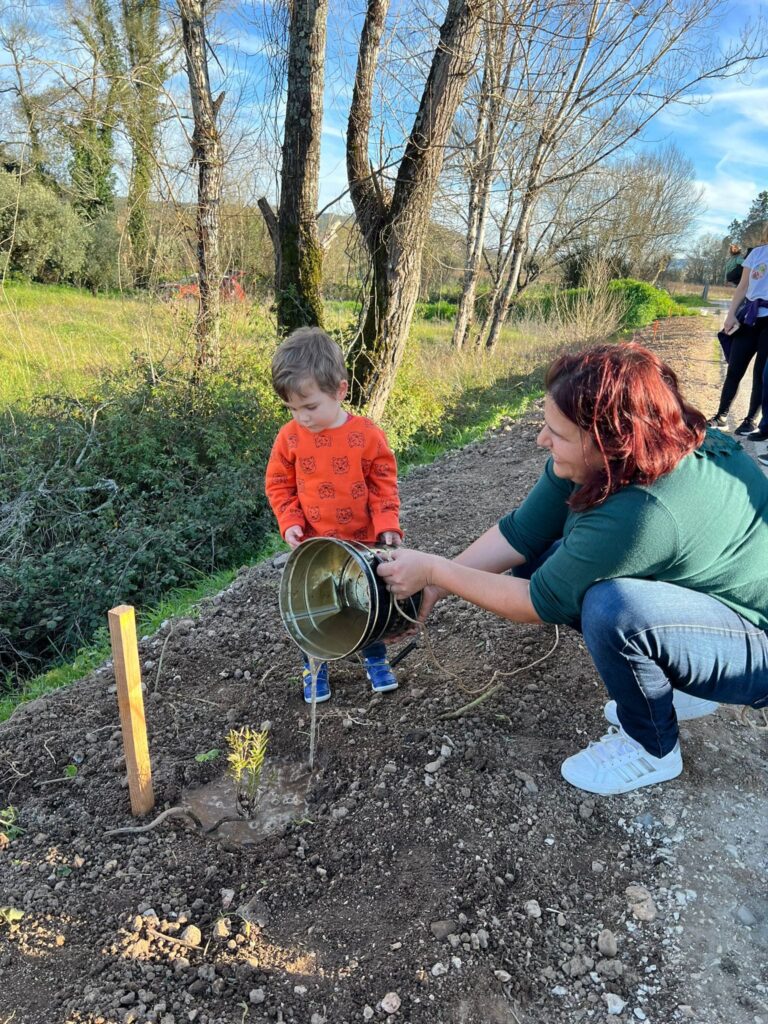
(247, 749)
(9, 829)
(208, 755)
(70, 771)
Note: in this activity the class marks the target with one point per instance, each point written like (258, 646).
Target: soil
(440, 871)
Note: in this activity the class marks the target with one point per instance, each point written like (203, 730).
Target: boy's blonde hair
(307, 354)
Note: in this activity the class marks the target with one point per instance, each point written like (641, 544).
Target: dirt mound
(439, 872)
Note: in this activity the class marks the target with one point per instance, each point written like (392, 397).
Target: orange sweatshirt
(340, 482)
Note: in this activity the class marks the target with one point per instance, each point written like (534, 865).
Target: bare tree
(393, 224)
(294, 231)
(207, 155)
(590, 74)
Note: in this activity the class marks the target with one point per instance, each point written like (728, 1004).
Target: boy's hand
(390, 538)
(294, 536)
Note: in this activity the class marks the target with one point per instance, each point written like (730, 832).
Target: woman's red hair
(629, 403)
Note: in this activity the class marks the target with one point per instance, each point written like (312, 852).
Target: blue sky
(724, 132)
(726, 138)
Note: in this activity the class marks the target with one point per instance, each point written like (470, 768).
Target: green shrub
(440, 310)
(641, 301)
(42, 237)
(644, 303)
(123, 495)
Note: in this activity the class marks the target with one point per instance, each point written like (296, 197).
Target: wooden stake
(125, 656)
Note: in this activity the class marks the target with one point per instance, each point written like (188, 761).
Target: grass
(60, 338)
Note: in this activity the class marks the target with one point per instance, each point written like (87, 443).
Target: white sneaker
(686, 707)
(617, 764)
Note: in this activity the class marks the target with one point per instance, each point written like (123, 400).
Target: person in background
(733, 264)
(330, 474)
(748, 335)
(646, 532)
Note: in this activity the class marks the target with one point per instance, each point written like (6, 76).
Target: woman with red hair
(646, 532)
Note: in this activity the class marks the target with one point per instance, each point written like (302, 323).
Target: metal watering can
(332, 601)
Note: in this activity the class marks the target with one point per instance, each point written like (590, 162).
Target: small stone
(532, 908)
(559, 990)
(641, 903)
(639, 1013)
(438, 969)
(434, 766)
(614, 1003)
(606, 943)
(227, 895)
(745, 916)
(368, 1012)
(317, 1018)
(503, 976)
(192, 934)
(585, 809)
(442, 929)
(299, 990)
(598, 866)
(257, 995)
(221, 929)
(391, 1002)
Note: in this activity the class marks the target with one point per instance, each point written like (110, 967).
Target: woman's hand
(731, 324)
(405, 571)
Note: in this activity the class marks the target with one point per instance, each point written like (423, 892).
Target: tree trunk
(394, 229)
(146, 72)
(497, 313)
(207, 154)
(294, 232)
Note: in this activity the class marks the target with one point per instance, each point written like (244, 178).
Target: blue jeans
(648, 638)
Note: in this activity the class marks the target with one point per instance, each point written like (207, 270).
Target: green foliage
(247, 750)
(440, 310)
(642, 302)
(99, 269)
(11, 916)
(208, 755)
(9, 827)
(41, 236)
(122, 496)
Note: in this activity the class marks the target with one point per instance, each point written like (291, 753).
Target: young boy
(330, 474)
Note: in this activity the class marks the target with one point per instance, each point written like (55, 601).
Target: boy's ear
(341, 394)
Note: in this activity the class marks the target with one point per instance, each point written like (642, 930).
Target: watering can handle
(405, 651)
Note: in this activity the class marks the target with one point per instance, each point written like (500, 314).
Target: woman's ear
(341, 394)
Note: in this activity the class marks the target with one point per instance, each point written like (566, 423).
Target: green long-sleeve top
(704, 526)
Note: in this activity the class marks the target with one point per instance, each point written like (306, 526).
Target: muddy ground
(441, 871)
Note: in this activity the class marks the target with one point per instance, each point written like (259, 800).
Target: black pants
(746, 343)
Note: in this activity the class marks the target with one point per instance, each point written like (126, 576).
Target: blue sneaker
(381, 675)
(322, 686)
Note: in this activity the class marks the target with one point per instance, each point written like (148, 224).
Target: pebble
(606, 943)
(192, 934)
(317, 1018)
(442, 929)
(368, 1012)
(745, 916)
(391, 1002)
(614, 1003)
(639, 1013)
(257, 995)
(503, 976)
(434, 766)
(438, 969)
(641, 903)
(532, 908)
